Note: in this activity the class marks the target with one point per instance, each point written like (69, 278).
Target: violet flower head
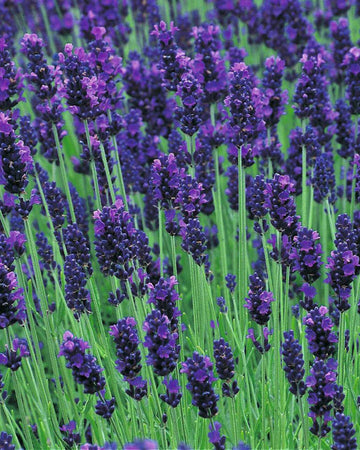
(323, 179)
(77, 297)
(294, 363)
(77, 244)
(10, 78)
(84, 368)
(115, 240)
(137, 388)
(244, 123)
(5, 441)
(261, 348)
(83, 90)
(230, 282)
(259, 301)
(127, 341)
(146, 444)
(275, 97)
(189, 114)
(255, 198)
(173, 61)
(352, 79)
(343, 265)
(12, 305)
(307, 254)
(55, 204)
(215, 438)
(225, 367)
(165, 180)
(208, 65)
(199, 372)
(190, 198)
(12, 357)
(70, 437)
(281, 204)
(15, 158)
(344, 129)
(321, 388)
(161, 342)
(341, 44)
(164, 298)
(318, 333)
(173, 392)
(343, 433)
(105, 408)
(306, 91)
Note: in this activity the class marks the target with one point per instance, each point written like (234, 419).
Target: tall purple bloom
(215, 438)
(189, 114)
(199, 372)
(322, 389)
(340, 46)
(281, 204)
(161, 343)
(84, 368)
(76, 295)
(307, 254)
(173, 392)
(10, 78)
(12, 305)
(12, 357)
(352, 79)
(318, 333)
(259, 301)
(343, 433)
(275, 97)
(294, 363)
(127, 341)
(225, 367)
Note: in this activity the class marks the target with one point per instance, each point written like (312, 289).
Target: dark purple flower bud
(341, 44)
(318, 333)
(115, 239)
(161, 343)
(76, 295)
(344, 129)
(244, 123)
(15, 159)
(322, 385)
(294, 363)
(12, 305)
(281, 204)
(5, 441)
(307, 254)
(84, 368)
(309, 293)
(190, 198)
(189, 114)
(259, 301)
(323, 179)
(225, 367)
(208, 65)
(127, 341)
(12, 358)
(173, 60)
(105, 408)
(10, 79)
(230, 282)
(259, 347)
(275, 98)
(343, 265)
(215, 438)
(77, 245)
(165, 180)
(117, 297)
(70, 437)
(55, 203)
(343, 433)
(199, 372)
(164, 297)
(255, 198)
(173, 392)
(308, 85)
(137, 388)
(352, 78)
(220, 301)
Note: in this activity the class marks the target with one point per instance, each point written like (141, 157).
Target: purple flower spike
(352, 78)
(343, 433)
(318, 333)
(294, 363)
(84, 368)
(225, 367)
(259, 301)
(12, 305)
(215, 438)
(173, 392)
(200, 377)
(12, 358)
(322, 389)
